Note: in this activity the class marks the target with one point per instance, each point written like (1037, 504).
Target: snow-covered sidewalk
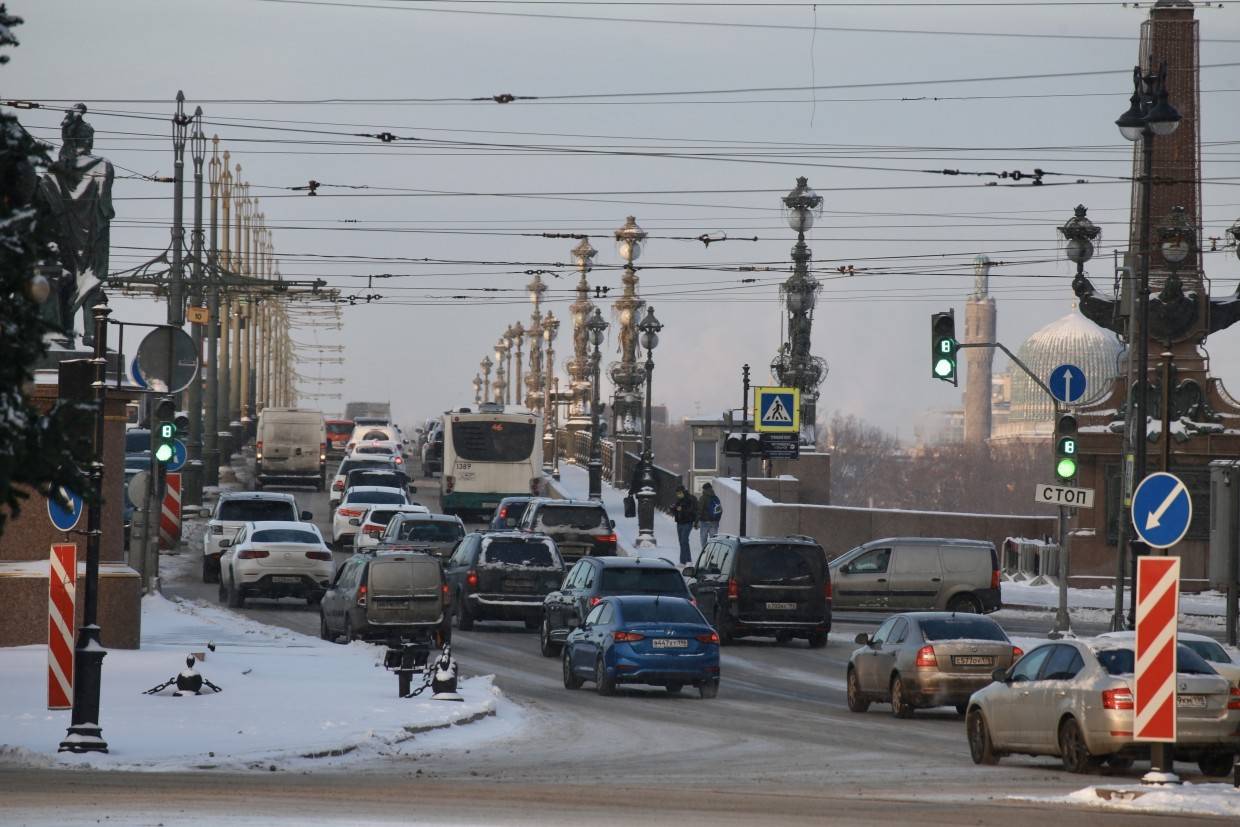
(1203, 612)
(288, 700)
(1185, 800)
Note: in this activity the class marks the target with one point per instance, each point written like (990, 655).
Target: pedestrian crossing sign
(777, 410)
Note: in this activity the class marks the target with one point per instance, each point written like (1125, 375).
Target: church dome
(1071, 339)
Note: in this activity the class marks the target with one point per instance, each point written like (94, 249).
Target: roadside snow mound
(1185, 799)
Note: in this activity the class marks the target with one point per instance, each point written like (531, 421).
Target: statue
(75, 195)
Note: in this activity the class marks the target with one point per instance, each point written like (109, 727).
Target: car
(354, 505)
(657, 641)
(778, 586)
(234, 509)
(432, 451)
(502, 575)
(338, 433)
(372, 524)
(1074, 699)
(1210, 650)
(352, 464)
(363, 433)
(137, 440)
(579, 527)
(508, 512)
(926, 659)
(275, 559)
(385, 595)
(290, 447)
(435, 534)
(593, 578)
(386, 478)
(385, 448)
(919, 574)
(138, 461)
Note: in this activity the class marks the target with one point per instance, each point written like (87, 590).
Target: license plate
(519, 585)
(669, 643)
(1191, 701)
(286, 579)
(490, 505)
(973, 660)
(788, 607)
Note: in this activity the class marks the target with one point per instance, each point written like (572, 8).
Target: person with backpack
(685, 512)
(710, 512)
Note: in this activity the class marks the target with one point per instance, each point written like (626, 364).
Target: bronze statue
(75, 195)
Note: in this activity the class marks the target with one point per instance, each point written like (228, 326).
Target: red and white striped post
(170, 512)
(61, 624)
(1158, 606)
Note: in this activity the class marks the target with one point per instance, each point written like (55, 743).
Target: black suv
(502, 575)
(592, 579)
(580, 528)
(764, 586)
(509, 512)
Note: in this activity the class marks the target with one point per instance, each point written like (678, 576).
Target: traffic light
(943, 346)
(736, 441)
(1065, 448)
(165, 430)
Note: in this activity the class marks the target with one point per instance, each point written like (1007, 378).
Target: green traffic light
(164, 451)
(1065, 469)
(944, 368)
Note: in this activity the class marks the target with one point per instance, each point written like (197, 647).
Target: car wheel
(709, 689)
(571, 681)
(722, 627)
(210, 573)
(961, 709)
(236, 600)
(856, 701)
(964, 604)
(531, 623)
(1072, 749)
(604, 683)
(900, 707)
(674, 688)
(817, 640)
(324, 632)
(548, 647)
(1216, 764)
(783, 637)
(981, 748)
(464, 620)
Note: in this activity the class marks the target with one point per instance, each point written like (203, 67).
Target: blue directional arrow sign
(64, 516)
(1161, 510)
(1067, 383)
(136, 373)
(178, 455)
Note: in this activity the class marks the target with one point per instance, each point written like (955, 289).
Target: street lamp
(1079, 233)
(501, 356)
(647, 485)
(595, 327)
(477, 383)
(550, 327)
(485, 364)
(794, 365)
(1234, 232)
(626, 375)
(579, 368)
(518, 336)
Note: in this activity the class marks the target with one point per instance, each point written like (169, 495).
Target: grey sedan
(926, 659)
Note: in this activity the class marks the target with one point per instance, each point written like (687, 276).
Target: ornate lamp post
(518, 337)
(596, 327)
(627, 374)
(647, 481)
(794, 365)
(579, 366)
(501, 383)
(485, 364)
(550, 327)
(534, 381)
(477, 383)
(501, 356)
(1079, 233)
(193, 465)
(211, 428)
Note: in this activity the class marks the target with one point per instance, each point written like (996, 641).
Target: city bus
(488, 454)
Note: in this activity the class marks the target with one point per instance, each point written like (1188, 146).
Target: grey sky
(872, 330)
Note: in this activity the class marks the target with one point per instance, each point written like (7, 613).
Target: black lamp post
(647, 482)
(794, 365)
(596, 327)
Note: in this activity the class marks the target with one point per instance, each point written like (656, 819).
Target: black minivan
(764, 586)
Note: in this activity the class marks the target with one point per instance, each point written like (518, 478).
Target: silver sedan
(1074, 699)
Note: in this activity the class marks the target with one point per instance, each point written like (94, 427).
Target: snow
(1181, 800)
(1023, 595)
(288, 701)
(574, 483)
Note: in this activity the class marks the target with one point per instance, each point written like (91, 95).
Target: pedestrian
(685, 512)
(710, 512)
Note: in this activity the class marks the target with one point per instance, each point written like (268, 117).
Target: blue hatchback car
(655, 640)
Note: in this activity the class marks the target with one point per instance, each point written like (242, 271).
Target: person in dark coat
(685, 512)
(710, 512)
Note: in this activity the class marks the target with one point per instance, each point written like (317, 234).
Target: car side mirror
(689, 571)
(1000, 675)
(205, 511)
(611, 523)
(306, 516)
(355, 521)
(862, 639)
(225, 543)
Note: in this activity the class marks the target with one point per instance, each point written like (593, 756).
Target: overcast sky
(421, 352)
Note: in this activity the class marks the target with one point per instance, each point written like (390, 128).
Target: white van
(291, 448)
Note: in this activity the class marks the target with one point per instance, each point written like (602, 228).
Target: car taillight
(535, 485)
(994, 578)
(713, 637)
(926, 658)
(252, 554)
(338, 485)
(826, 590)
(734, 589)
(594, 601)
(627, 637)
(449, 484)
(503, 512)
(1117, 698)
(350, 512)
(1017, 653)
(258, 449)
(1234, 702)
(217, 529)
(349, 447)
(398, 460)
(471, 579)
(447, 596)
(373, 530)
(322, 452)
(319, 555)
(606, 539)
(361, 595)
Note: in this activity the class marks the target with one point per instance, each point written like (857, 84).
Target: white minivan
(291, 448)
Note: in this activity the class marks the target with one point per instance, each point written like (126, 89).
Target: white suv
(371, 525)
(275, 559)
(233, 510)
(347, 518)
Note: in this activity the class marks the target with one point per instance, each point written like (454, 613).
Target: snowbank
(288, 700)
(1182, 800)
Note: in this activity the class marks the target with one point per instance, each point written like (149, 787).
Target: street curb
(412, 732)
(1027, 607)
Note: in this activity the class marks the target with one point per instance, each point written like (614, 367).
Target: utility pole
(191, 492)
(176, 286)
(211, 447)
(741, 528)
(223, 265)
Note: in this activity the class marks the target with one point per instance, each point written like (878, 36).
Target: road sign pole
(742, 526)
(1063, 623)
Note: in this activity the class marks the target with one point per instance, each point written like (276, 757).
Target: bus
(489, 453)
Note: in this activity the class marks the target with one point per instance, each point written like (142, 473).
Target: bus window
(481, 441)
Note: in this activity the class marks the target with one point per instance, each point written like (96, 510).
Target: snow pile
(287, 699)
(1182, 800)
(1204, 611)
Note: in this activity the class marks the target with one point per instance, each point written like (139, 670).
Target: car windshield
(340, 428)
(572, 516)
(401, 575)
(779, 563)
(376, 449)
(284, 535)
(380, 516)
(641, 581)
(353, 464)
(1208, 649)
(660, 611)
(377, 497)
(490, 441)
(519, 553)
(256, 511)
(962, 627)
(1122, 661)
(383, 480)
(429, 531)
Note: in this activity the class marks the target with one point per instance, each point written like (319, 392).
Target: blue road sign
(1067, 383)
(777, 410)
(136, 373)
(1161, 510)
(65, 517)
(178, 455)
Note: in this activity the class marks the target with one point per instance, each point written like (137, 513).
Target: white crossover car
(275, 559)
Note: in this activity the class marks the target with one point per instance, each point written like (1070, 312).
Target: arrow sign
(179, 453)
(1161, 510)
(1067, 383)
(64, 508)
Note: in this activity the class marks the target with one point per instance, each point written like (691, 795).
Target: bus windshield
(490, 441)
